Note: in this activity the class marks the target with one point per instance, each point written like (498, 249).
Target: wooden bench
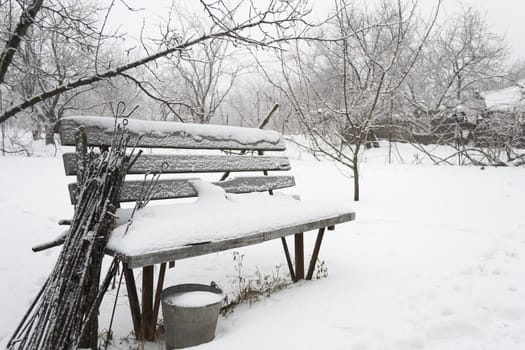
(181, 147)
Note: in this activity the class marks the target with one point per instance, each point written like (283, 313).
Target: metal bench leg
(160, 284)
(133, 299)
(148, 328)
(315, 254)
(299, 256)
(288, 259)
(145, 320)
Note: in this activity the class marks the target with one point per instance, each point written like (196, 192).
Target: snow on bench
(216, 219)
(228, 213)
(160, 134)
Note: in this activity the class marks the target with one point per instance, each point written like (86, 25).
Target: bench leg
(298, 273)
(148, 328)
(299, 256)
(160, 285)
(315, 254)
(133, 299)
(288, 259)
(145, 320)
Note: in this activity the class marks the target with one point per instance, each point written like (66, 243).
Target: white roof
(507, 99)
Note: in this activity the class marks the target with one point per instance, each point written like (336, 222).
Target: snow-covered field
(435, 260)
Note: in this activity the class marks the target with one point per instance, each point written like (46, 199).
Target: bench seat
(216, 221)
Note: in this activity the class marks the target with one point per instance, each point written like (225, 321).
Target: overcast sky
(506, 17)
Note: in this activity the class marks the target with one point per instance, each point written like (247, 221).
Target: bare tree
(195, 84)
(16, 33)
(242, 25)
(205, 80)
(462, 58)
(343, 82)
(62, 45)
(251, 99)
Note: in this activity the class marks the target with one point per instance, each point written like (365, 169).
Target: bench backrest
(173, 135)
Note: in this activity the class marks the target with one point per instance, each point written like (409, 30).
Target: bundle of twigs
(64, 313)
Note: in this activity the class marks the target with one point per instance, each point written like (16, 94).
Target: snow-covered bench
(228, 213)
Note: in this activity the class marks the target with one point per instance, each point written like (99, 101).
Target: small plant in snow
(321, 270)
(131, 343)
(250, 288)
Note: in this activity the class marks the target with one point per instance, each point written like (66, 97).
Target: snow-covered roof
(507, 99)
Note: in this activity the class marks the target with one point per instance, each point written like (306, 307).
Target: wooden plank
(181, 188)
(190, 251)
(256, 183)
(159, 134)
(212, 247)
(176, 164)
(309, 226)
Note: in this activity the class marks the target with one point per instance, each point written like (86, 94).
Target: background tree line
(361, 75)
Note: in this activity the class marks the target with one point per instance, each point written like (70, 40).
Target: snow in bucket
(194, 299)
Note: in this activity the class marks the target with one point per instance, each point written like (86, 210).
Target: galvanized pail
(189, 325)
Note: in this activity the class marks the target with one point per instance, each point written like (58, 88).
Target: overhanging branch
(26, 20)
(230, 33)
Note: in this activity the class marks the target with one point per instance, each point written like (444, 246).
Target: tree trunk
(36, 128)
(13, 43)
(355, 170)
(49, 130)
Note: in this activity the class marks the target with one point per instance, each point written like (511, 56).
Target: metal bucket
(189, 326)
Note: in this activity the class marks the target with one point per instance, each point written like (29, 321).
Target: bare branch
(26, 20)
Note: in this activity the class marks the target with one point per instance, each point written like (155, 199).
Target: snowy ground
(435, 260)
